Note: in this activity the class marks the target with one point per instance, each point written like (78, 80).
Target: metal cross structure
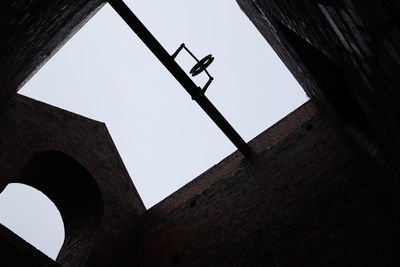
(180, 75)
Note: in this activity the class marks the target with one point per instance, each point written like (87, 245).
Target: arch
(33, 216)
(76, 195)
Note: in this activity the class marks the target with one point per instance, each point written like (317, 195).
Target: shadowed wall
(74, 162)
(31, 32)
(305, 200)
(345, 54)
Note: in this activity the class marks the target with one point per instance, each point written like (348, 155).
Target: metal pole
(168, 61)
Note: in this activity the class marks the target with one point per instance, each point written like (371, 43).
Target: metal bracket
(199, 67)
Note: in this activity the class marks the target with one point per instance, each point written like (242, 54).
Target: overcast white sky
(165, 140)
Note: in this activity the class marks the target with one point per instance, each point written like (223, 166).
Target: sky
(165, 140)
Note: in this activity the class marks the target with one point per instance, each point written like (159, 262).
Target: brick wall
(28, 128)
(346, 57)
(305, 200)
(31, 32)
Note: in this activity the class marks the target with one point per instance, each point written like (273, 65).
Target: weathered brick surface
(32, 31)
(346, 56)
(305, 200)
(28, 127)
(231, 164)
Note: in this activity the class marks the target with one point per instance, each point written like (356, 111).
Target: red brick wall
(346, 57)
(31, 32)
(230, 164)
(28, 127)
(305, 200)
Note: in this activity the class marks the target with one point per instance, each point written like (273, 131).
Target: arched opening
(31, 215)
(74, 192)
